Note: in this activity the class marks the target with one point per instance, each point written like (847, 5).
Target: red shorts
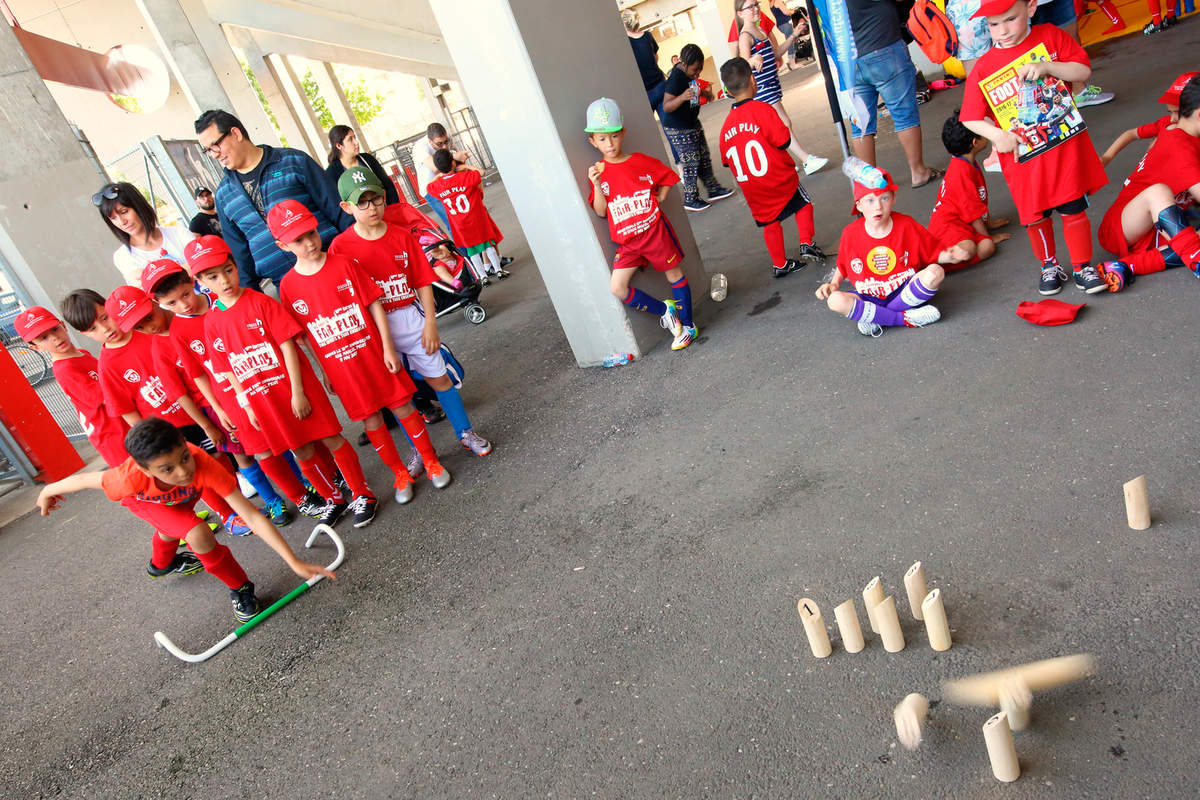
(172, 521)
(951, 233)
(1112, 236)
(657, 247)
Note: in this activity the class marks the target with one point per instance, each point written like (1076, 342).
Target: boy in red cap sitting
(1050, 166)
(892, 262)
(1151, 130)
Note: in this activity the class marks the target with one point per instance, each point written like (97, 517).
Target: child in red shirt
(761, 152)
(892, 263)
(160, 482)
(1053, 174)
(1147, 226)
(251, 339)
(627, 188)
(341, 309)
(960, 216)
(1151, 130)
(460, 188)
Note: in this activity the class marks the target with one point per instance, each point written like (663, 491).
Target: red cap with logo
(128, 305)
(1171, 96)
(33, 322)
(289, 219)
(206, 252)
(155, 271)
(990, 8)
(861, 190)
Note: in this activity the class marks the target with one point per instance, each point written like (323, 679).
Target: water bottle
(860, 171)
(618, 360)
(695, 101)
(719, 287)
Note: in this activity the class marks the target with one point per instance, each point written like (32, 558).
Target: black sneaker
(340, 484)
(1088, 280)
(696, 205)
(811, 253)
(332, 513)
(245, 604)
(363, 507)
(363, 439)
(502, 274)
(789, 266)
(1151, 28)
(1053, 278)
(184, 563)
(720, 194)
(433, 415)
(313, 505)
(505, 261)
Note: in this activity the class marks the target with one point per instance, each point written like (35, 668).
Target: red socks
(352, 471)
(216, 503)
(1155, 13)
(1077, 233)
(162, 552)
(1041, 236)
(804, 224)
(220, 562)
(1145, 262)
(1187, 244)
(414, 426)
(385, 446)
(280, 473)
(773, 235)
(319, 472)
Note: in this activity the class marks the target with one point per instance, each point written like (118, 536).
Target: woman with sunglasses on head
(346, 152)
(134, 222)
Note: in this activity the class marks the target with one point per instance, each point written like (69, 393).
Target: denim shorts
(888, 73)
(1054, 12)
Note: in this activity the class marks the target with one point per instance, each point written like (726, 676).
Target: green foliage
(262, 101)
(365, 104)
(319, 106)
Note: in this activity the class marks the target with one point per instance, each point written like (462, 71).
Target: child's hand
(226, 422)
(392, 361)
(824, 290)
(430, 339)
(300, 405)
(1034, 70)
(595, 171)
(953, 255)
(756, 62)
(1001, 237)
(306, 570)
(214, 433)
(998, 222)
(1006, 142)
(253, 419)
(47, 501)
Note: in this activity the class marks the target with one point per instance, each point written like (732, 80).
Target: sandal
(934, 174)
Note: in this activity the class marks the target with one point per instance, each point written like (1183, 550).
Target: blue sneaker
(237, 526)
(278, 513)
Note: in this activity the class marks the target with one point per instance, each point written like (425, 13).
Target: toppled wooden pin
(910, 720)
(985, 689)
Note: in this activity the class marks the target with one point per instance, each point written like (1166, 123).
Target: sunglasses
(107, 193)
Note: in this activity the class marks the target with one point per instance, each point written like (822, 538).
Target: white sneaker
(670, 319)
(814, 163)
(921, 316)
(872, 329)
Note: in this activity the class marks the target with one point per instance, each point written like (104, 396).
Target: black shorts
(799, 200)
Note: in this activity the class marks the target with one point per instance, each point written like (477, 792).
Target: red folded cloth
(1048, 312)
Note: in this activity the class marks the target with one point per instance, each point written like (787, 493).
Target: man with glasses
(435, 139)
(256, 178)
(206, 222)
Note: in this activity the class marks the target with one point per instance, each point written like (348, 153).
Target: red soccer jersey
(131, 381)
(79, 378)
(753, 144)
(1173, 160)
(244, 339)
(394, 261)
(462, 195)
(332, 307)
(127, 482)
(962, 197)
(1152, 129)
(630, 188)
(1061, 174)
(878, 267)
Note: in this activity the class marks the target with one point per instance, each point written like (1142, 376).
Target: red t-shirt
(1061, 174)
(245, 341)
(394, 261)
(127, 482)
(462, 195)
(79, 378)
(753, 144)
(131, 380)
(631, 191)
(1173, 159)
(878, 267)
(1152, 129)
(962, 197)
(332, 307)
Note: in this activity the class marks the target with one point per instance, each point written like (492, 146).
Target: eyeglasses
(215, 146)
(107, 193)
(376, 201)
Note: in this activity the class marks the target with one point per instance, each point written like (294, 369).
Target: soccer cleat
(278, 513)
(696, 205)
(475, 443)
(414, 464)
(184, 563)
(313, 505)
(921, 316)
(1151, 28)
(438, 475)
(1053, 278)
(245, 604)
(1170, 21)
(872, 329)
(502, 274)
(485, 280)
(237, 526)
(1092, 95)
(685, 337)
(404, 493)
(1117, 274)
(340, 484)
(432, 416)
(1088, 280)
(720, 194)
(814, 163)
(332, 513)
(670, 318)
(811, 253)
(789, 266)
(363, 507)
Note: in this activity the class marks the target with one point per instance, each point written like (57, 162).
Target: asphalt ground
(606, 605)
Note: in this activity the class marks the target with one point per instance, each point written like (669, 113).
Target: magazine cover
(1041, 113)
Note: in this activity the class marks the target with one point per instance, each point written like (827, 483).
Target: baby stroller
(446, 296)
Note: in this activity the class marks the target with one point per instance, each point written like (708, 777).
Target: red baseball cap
(990, 8)
(861, 190)
(1171, 96)
(289, 219)
(128, 305)
(155, 271)
(33, 322)
(206, 252)
(1048, 311)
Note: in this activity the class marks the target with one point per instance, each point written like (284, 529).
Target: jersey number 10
(756, 161)
(459, 205)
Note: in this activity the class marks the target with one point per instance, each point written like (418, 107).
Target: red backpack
(933, 31)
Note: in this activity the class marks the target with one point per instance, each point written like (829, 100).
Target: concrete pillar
(714, 27)
(203, 63)
(304, 110)
(285, 115)
(347, 112)
(46, 182)
(530, 95)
